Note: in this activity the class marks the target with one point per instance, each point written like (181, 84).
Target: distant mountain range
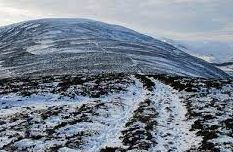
(81, 46)
(220, 54)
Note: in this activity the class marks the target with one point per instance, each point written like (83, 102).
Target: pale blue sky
(176, 19)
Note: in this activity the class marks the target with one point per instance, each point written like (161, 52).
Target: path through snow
(172, 132)
(118, 117)
(94, 124)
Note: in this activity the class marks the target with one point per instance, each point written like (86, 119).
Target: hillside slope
(74, 46)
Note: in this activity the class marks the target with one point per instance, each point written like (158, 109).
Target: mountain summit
(77, 46)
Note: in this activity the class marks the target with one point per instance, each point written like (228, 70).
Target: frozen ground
(115, 113)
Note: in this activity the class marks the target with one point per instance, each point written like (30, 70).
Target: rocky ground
(116, 112)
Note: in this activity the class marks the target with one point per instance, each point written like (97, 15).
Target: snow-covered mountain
(74, 46)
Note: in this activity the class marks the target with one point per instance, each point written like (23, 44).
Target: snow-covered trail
(118, 117)
(136, 119)
(172, 132)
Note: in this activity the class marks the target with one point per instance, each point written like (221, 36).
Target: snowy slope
(73, 46)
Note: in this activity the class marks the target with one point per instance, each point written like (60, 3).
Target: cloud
(170, 18)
